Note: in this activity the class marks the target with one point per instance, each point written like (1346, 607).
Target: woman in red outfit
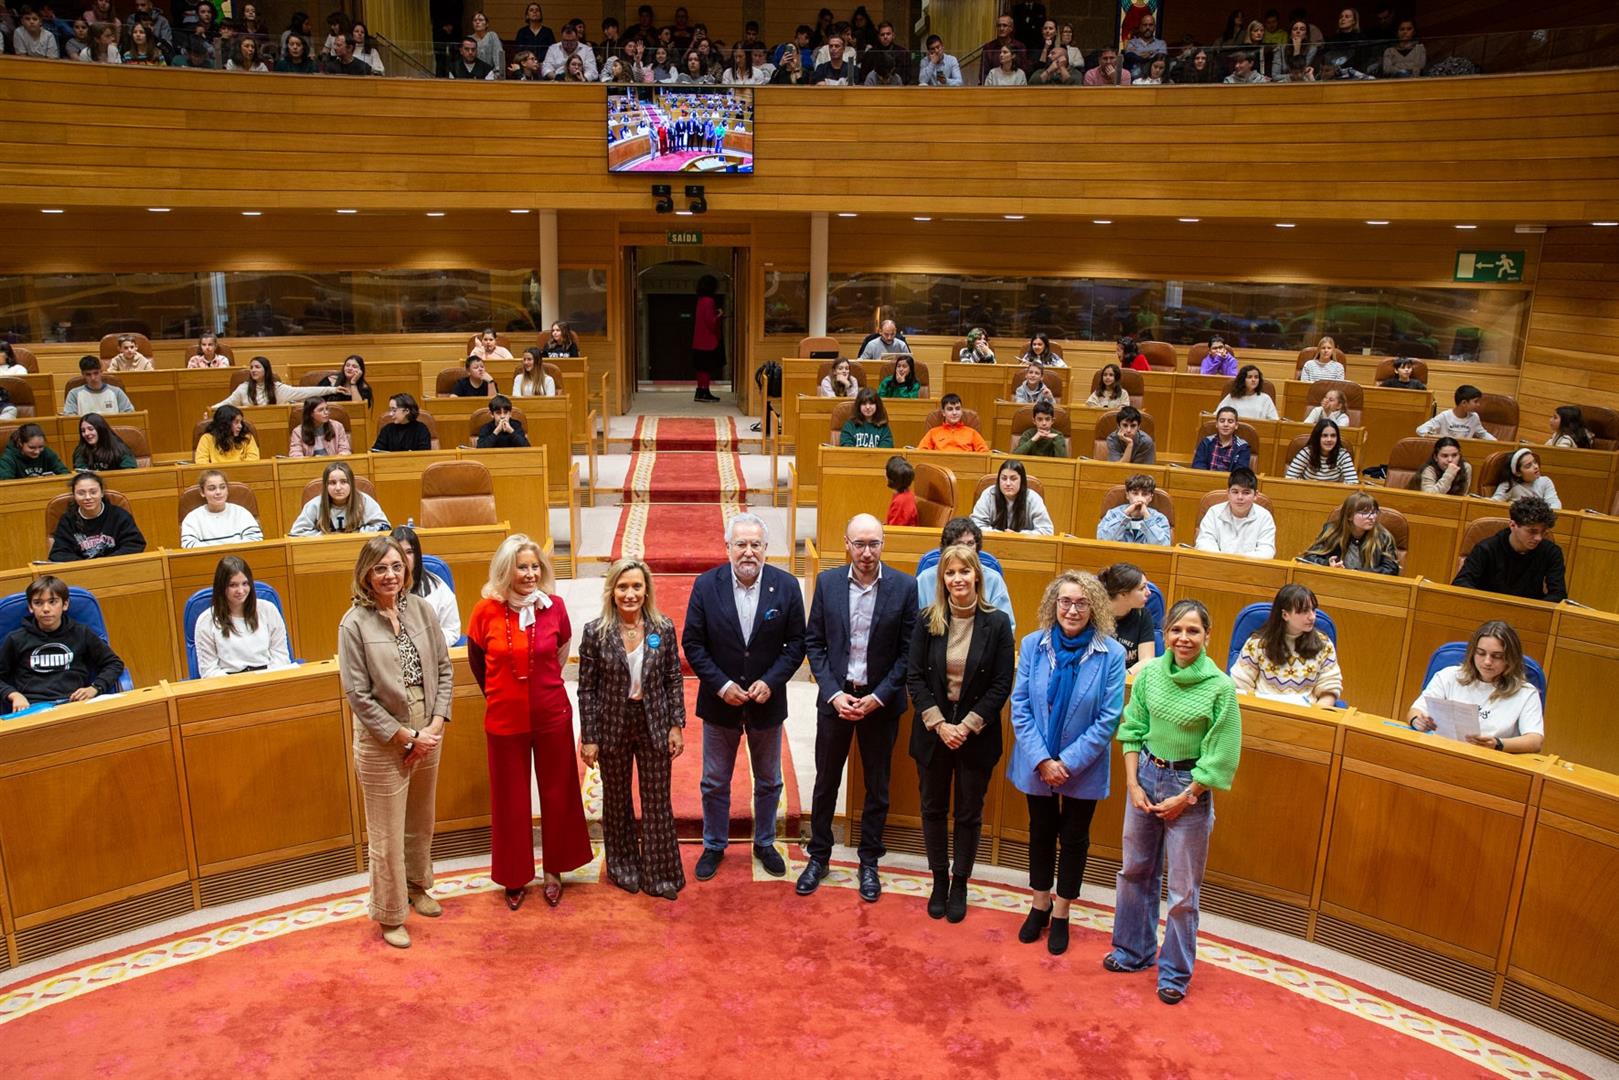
(517, 644)
(707, 348)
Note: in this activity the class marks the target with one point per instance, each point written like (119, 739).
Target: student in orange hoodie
(953, 434)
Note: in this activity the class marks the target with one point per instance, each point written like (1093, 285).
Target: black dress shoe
(810, 879)
(871, 884)
(1057, 939)
(708, 863)
(1169, 996)
(1033, 924)
(771, 860)
(936, 899)
(955, 905)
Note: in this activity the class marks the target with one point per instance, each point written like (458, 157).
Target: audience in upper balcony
(1199, 67)
(1324, 457)
(534, 34)
(1006, 73)
(1155, 73)
(1569, 430)
(1446, 473)
(990, 52)
(244, 56)
(1352, 539)
(93, 527)
(1407, 56)
(27, 455)
(1135, 521)
(1043, 439)
(1239, 526)
(1009, 505)
(558, 54)
(1247, 396)
(144, 47)
(32, 39)
(1108, 71)
(1525, 478)
(1404, 370)
(1460, 422)
(489, 48)
(342, 61)
(1299, 49)
(96, 394)
(938, 67)
(1128, 443)
(839, 68)
(1243, 69)
(1144, 44)
(1520, 560)
(295, 58)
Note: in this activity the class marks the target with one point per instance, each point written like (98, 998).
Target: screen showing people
(679, 129)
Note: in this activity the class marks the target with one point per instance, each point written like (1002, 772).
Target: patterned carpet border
(1319, 986)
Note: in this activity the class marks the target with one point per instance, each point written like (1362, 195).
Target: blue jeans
(719, 761)
(1150, 843)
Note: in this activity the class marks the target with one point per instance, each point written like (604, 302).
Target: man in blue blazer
(858, 642)
(744, 639)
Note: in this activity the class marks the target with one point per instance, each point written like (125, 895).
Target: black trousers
(945, 770)
(833, 738)
(1054, 819)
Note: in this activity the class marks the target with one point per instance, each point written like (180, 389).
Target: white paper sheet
(1452, 719)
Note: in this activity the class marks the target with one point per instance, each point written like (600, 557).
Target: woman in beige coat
(396, 673)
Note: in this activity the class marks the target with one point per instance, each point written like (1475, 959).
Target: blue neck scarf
(1069, 650)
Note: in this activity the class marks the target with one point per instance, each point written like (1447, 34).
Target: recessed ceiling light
(1101, 221)
(435, 213)
(921, 219)
(1013, 217)
(519, 211)
(682, 213)
(53, 211)
(252, 213)
(1467, 226)
(1598, 224)
(1285, 225)
(157, 209)
(1376, 222)
(1190, 220)
(845, 213)
(348, 211)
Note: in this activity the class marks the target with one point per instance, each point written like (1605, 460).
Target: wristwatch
(1499, 745)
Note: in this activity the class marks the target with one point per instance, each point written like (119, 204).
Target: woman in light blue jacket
(1066, 704)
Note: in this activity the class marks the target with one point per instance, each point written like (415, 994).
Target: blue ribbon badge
(653, 641)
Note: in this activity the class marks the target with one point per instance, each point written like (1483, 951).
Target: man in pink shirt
(1107, 72)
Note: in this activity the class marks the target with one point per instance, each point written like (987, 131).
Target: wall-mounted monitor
(701, 130)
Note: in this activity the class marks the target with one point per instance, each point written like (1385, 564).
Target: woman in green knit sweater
(1182, 735)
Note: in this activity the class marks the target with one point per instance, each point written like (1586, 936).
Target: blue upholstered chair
(201, 600)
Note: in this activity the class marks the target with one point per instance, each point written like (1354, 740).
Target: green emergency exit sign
(1489, 266)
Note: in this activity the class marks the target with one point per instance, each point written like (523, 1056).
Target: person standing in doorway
(707, 346)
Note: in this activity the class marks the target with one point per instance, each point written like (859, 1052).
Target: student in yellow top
(953, 434)
(228, 439)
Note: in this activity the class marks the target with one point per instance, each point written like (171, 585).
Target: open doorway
(665, 305)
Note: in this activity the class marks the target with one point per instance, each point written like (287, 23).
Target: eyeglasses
(864, 545)
(1065, 604)
(1372, 513)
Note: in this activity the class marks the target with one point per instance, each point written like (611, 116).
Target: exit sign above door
(1487, 265)
(685, 239)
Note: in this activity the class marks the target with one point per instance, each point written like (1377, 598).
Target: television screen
(679, 129)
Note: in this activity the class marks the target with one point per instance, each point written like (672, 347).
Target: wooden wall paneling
(853, 483)
(114, 754)
(249, 740)
(157, 393)
(1193, 396)
(1060, 478)
(1028, 563)
(1226, 584)
(398, 478)
(322, 569)
(1593, 579)
(1444, 613)
(980, 386)
(1370, 611)
(133, 593)
(151, 495)
(521, 478)
(22, 524)
(1584, 664)
(1571, 345)
(463, 781)
(194, 568)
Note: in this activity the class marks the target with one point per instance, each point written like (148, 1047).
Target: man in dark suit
(744, 639)
(858, 641)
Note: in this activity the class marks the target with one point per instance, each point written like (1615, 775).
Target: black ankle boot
(937, 899)
(955, 905)
(1057, 939)
(1032, 925)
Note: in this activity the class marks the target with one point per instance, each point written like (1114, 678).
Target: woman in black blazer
(961, 670)
(631, 712)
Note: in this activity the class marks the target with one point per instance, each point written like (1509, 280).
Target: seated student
(1324, 457)
(96, 395)
(1324, 365)
(840, 382)
(237, 633)
(902, 507)
(1246, 394)
(218, 520)
(1239, 526)
(1128, 354)
(886, 340)
(1033, 388)
(9, 364)
(403, 431)
(50, 657)
(475, 383)
(1492, 676)
(129, 358)
(963, 530)
(207, 354)
(227, 439)
(1110, 392)
(261, 387)
(340, 507)
(1353, 540)
(903, 383)
(1332, 407)
(868, 426)
(1135, 521)
(1219, 360)
(319, 435)
(26, 454)
(1222, 449)
(429, 586)
(1008, 505)
(350, 380)
(1043, 439)
(1129, 443)
(1403, 378)
(1460, 422)
(1520, 560)
(533, 380)
(953, 433)
(977, 350)
(559, 342)
(501, 430)
(94, 528)
(1525, 478)
(100, 449)
(1569, 430)
(1446, 473)
(1288, 658)
(1127, 594)
(487, 348)
(1040, 352)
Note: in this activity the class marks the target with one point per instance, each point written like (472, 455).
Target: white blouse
(1251, 406)
(635, 659)
(265, 647)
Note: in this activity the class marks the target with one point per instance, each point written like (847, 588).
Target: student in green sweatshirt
(1043, 439)
(27, 455)
(1182, 735)
(869, 425)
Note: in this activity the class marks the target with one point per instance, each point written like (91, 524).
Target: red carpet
(685, 433)
(684, 477)
(738, 978)
(672, 538)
